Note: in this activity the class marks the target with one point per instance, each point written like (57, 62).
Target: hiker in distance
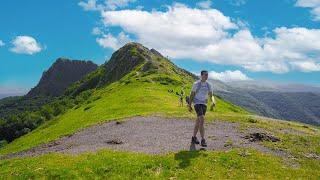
(181, 95)
(199, 96)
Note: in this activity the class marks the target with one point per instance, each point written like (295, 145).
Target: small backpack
(199, 86)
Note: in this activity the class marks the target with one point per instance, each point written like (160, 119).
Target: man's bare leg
(196, 127)
(201, 126)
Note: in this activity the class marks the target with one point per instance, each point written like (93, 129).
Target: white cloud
(180, 26)
(25, 45)
(306, 66)
(204, 4)
(289, 45)
(314, 5)
(182, 32)
(90, 5)
(2, 43)
(228, 76)
(109, 41)
(316, 13)
(308, 3)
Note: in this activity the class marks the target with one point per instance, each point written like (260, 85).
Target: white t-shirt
(201, 96)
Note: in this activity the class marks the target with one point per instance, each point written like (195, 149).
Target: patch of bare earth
(152, 135)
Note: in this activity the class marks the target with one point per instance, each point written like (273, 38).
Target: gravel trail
(151, 135)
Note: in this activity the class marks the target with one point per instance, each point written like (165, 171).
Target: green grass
(182, 165)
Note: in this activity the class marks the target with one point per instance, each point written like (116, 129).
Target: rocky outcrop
(60, 75)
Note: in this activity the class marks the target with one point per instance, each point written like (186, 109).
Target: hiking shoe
(194, 140)
(203, 143)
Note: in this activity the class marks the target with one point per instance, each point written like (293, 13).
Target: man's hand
(213, 102)
(212, 106)
(189, 108)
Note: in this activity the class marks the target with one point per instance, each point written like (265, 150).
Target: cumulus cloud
(109, 41)
(2, 43)
(180, 26)
(229, 76)
(204, 4)
(25, 45)
(208, 35)
(306, 66)
(314, 5)
(90, 5)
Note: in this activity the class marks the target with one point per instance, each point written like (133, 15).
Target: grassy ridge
(142, 91)
(116, 101)
(119, 100)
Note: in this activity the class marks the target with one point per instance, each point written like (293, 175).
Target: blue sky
(234, 39)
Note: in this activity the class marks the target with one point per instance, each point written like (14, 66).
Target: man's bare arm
(211, 97)
(213, 103)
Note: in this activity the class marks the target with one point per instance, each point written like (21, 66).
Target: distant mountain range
(291, 102)
(273, 86)
(4, 95)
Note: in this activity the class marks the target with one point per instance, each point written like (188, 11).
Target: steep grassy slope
(127, 59)
(131, 96)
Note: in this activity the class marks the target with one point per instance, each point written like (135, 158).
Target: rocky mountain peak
(60, 75)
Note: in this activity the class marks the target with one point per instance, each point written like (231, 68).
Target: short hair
(203, 71)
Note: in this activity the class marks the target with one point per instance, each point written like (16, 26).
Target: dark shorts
(200, 109)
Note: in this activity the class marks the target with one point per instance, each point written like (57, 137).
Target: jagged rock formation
(60, 75)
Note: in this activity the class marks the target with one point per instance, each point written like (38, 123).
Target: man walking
(199, 96)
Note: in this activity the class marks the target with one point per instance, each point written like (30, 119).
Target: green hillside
(144, 89)
(141, 89)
